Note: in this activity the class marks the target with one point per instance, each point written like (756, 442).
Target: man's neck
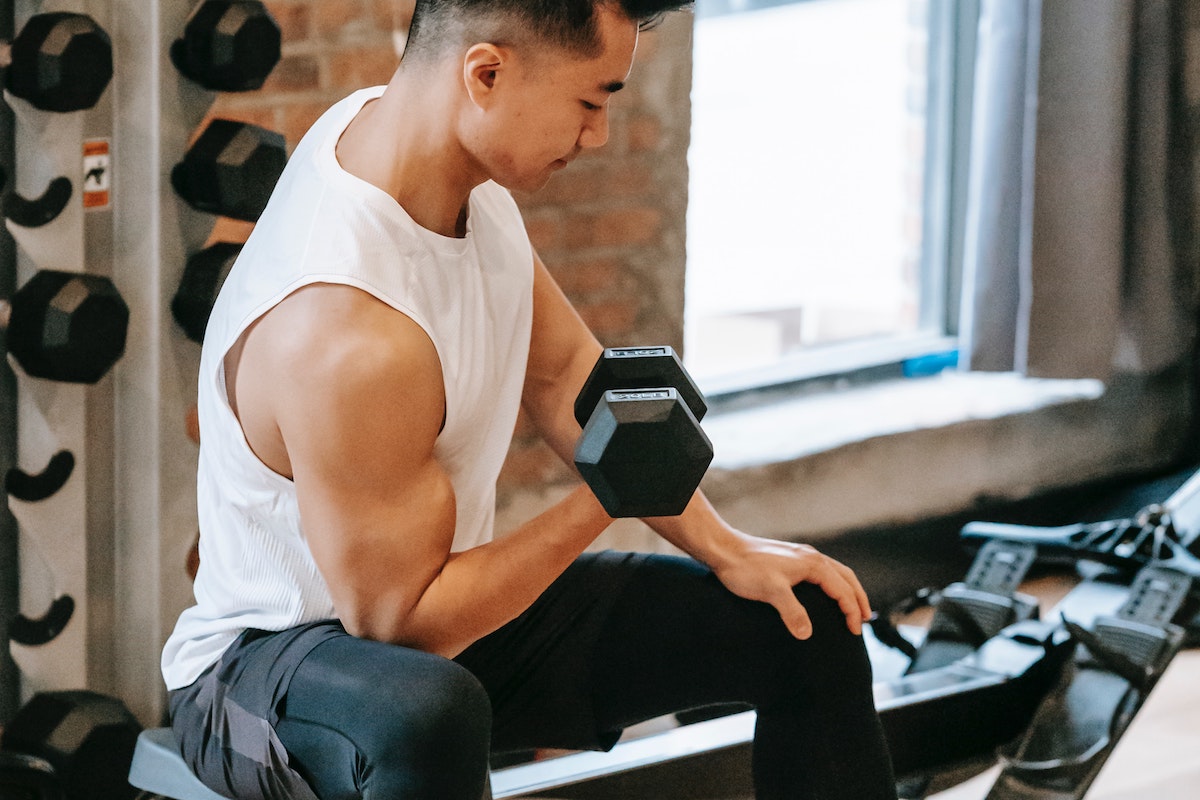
(404, 144)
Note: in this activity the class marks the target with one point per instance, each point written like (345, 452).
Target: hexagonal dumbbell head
(66, 326)
(231, 169)
(88, 738)
(60, 62)
(202, 279)
(228, 45)
(638, 368)
(643, 453)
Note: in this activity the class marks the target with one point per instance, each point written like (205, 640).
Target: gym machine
(1049, 697)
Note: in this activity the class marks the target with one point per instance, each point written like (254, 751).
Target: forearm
(479, 590)
(701, 533)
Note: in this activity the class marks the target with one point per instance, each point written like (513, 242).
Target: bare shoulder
(334, 372)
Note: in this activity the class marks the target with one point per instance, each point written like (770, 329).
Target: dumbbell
(58, 62)
(231, 169)
(642, 450)
(228, 45)
(87, 739)
(65, 326)
(203, 276)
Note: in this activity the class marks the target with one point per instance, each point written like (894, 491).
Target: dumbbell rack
(9, 588)
(65, 543)
(116, 535)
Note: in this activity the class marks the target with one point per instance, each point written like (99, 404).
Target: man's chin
(525, 184)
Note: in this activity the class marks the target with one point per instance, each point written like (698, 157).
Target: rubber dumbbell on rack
(69, 327)
(65, 326)
(231, 169)
(58, 62)
(62, 326)
(83, 739)
(642, 450)
(203, 276)
(228, 45)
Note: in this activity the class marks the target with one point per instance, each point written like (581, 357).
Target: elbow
(361, 626)
(401, 630)
(372, 619)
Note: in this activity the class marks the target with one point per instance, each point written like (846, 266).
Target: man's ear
(482, 67)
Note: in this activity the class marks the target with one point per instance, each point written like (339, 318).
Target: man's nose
(595, 132)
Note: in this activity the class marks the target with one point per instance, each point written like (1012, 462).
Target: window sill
(906, 450)
(790, 429)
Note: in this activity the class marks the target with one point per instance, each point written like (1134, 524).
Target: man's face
(552, 105)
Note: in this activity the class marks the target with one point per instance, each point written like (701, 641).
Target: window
(823, 169)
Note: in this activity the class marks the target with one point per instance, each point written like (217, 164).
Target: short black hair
(568, 24)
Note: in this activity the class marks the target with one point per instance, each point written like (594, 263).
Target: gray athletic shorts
(536, 669)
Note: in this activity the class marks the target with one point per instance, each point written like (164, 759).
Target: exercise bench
(158, 768)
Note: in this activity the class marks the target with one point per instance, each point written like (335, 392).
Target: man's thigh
(622, 638)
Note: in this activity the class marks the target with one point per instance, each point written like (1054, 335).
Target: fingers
(860, 594)
(772, 570)
(842, 585)
(793, 614)
(796, 617)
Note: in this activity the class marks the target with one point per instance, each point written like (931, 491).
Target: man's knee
(422, 730)
(836, 655)
(447, 702)
(433, 735)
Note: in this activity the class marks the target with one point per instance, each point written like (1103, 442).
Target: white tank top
(472, 296)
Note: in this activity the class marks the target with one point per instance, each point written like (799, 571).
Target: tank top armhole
(216, 370)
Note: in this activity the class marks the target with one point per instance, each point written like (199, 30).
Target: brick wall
(611, 228)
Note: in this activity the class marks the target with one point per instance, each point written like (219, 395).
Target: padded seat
(159, 769)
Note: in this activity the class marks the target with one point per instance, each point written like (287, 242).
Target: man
(357, 631)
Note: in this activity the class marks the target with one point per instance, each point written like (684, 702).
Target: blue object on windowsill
(932, 364)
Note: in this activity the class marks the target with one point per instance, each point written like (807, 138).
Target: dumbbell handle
(5, 55)
(5, 314)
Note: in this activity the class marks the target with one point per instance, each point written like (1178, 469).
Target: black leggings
(617, 640)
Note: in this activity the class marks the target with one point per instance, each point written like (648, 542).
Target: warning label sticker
(97, 174)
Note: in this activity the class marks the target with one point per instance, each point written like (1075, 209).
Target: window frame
(952, 46)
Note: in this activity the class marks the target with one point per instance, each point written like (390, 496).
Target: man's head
(442, 26)
(529, 80)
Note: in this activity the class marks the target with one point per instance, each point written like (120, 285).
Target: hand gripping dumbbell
(642, 450)
(65, 326)
(58, 62)
(228, 45)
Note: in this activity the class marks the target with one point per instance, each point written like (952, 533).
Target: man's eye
(590, 106)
